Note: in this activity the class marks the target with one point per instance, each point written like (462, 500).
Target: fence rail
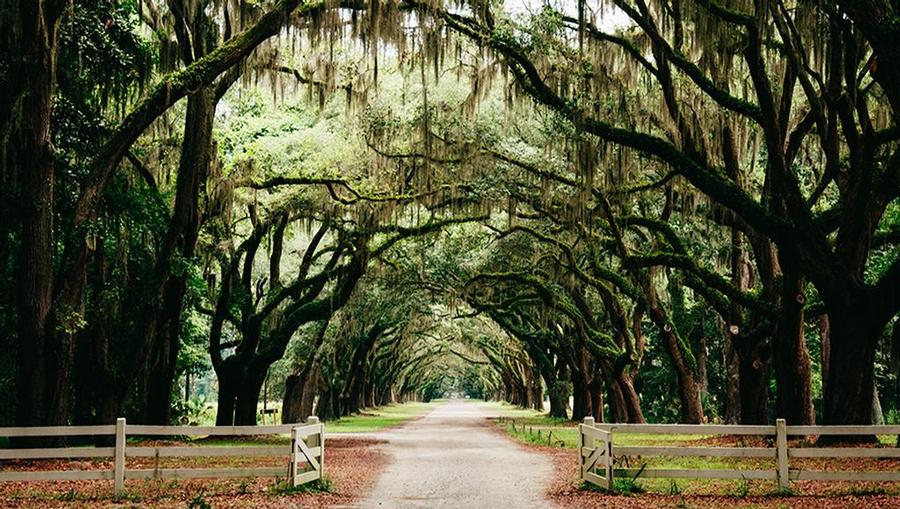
(305, 454)
(598, 454)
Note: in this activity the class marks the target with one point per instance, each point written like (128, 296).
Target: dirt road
(449, 459)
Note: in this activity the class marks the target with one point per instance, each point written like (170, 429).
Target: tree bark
(793, 397)
(581, 399)
(848, 395)
(631, 399)
(688, 388)
(731, 364)
(537, 391)
(754, 372)
(229, 382)
(300, 394)
(29, 159)
(558, 391)
(617, 410)
(245, 410)
(825, 345)
(595, 388)
(559, 400)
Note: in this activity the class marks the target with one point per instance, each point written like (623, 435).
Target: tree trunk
(163, 326)
(877, 414)
(293, 395)
(700, 353)
(581, 398)
(754, 373)
(229, 383)
(329, 407)
(372, 396)
(688, 388)
(617, 409)
(324, 408)
(740, 278)
(848, 395)
(336, 410)
(537, 391)
(631, 399)
(559, 399)
(524, 394)
(731, 364)
(558, 391)
(596, 398)
(310, 390)
(29, 158)
(248, 393)
(300, 394)
(793, 399)
(676, 350)
(825, 345)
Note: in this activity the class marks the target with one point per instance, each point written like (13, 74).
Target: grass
(379, 418)
(531, 426)
(368, 420)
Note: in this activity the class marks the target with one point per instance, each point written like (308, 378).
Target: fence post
(318, 440)
(784, 482)
(588, 421)
(292, 470)
(119, 461)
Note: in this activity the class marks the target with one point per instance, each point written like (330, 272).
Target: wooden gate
(595, 454)
(307, 448)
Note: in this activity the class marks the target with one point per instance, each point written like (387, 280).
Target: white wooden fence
(598, 455)
(307, 448)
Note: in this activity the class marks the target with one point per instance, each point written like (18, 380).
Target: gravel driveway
(449, 459)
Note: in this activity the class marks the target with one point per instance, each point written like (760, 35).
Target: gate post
(582, 443)
(318, 440)
(292, 470)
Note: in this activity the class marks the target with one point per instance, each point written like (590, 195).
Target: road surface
(449, 459)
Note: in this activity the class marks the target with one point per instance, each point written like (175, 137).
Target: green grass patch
(531, 426)
(628, 487)
(379, 418)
